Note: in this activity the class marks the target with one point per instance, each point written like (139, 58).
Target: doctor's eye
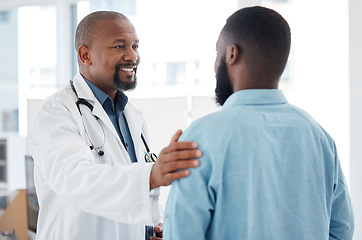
(119, 47)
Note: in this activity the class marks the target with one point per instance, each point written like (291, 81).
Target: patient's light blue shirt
(268, 171)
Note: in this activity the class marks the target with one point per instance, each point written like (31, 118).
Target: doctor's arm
(173, 162)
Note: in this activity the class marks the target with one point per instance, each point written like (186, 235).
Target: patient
(268, 170)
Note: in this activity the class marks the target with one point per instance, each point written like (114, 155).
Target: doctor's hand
(176, 156)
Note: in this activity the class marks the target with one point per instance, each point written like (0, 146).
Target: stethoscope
(149, 157)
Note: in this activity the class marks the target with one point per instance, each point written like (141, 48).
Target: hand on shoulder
(173, 162)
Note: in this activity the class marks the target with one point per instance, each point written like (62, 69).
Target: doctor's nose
(131, 55)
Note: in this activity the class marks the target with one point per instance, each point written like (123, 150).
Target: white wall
(355, 71)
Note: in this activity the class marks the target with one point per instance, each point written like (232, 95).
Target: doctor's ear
(84, 56)
(233, 53)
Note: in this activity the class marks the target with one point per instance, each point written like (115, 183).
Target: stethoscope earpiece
(100, 152)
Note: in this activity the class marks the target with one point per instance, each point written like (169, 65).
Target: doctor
(88, 143)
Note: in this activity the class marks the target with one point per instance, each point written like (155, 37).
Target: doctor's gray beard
(224, 87)
(121, 85)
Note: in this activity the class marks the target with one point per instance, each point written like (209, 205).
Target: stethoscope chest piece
(150, 157)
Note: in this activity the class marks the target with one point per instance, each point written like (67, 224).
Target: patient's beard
(223, 88)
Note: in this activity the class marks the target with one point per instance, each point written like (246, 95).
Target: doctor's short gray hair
(84, 34)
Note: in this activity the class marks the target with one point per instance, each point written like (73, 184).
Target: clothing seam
(227, 145)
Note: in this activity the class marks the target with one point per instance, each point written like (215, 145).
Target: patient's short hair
(263, 35)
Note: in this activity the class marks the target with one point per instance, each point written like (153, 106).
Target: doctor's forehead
(116, 26)
(117, 32)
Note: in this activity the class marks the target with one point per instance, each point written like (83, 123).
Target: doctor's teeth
(127, 69)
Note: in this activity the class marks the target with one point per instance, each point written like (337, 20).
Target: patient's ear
(84, 55)
(232, 54)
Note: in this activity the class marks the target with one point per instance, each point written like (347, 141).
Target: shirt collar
(121, 99)
(255, 96)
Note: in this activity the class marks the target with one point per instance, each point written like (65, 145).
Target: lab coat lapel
(135, 121)
(85, 92)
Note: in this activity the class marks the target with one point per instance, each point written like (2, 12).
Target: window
(37, 46)
(274, 1)
(3, 154)
(4, 16)
(9, 71)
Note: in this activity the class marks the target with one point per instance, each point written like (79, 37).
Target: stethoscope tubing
(149, 157)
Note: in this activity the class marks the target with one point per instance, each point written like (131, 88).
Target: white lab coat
(82, 195)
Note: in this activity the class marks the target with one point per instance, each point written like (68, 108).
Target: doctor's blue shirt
(115, 113)
(268, 171)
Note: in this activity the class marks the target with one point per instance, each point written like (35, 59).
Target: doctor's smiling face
(109, 58)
